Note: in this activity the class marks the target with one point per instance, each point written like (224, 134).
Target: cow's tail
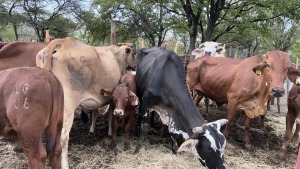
(53, 132)
(44, 57)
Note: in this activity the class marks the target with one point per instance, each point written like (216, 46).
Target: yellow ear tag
(297, 82)
(258, 72)
(105, 94)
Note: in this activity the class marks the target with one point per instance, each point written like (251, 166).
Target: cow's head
(127, 50)
(121, 97)
(207, 144)
(207, 48)
(274, 67)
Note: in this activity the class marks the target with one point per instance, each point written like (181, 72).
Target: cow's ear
(293, 75)
(197, 52)
(259, 69)
(134, 100)
(292, 98)
(188, 146)
(106, 92)
(218, 124)
(127, 50)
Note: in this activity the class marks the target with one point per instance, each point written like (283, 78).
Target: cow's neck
(186, 111)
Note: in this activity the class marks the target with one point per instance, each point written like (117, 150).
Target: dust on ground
(154, 150)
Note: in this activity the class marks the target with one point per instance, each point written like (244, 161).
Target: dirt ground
(154, 150)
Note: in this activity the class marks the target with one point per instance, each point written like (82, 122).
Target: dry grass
(154, 151)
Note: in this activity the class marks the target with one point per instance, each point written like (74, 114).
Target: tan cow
(32, 104)
(83, 71)
(243, 84)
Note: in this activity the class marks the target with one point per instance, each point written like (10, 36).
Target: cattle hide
(161, 87)
(83, 71)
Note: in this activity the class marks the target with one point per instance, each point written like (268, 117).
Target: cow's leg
(95, 114)
(206, 101)
(113, 142)
(174, 143)
(18, 146)
(128, 123)
(296, 133)
(262, 123)
(230, 115)
(33, 147)
(290, 120)
(268, 105)
(278, 104)
(55, 155)
(110, 119)
(246, 133)
(69, 109)
(142, 117)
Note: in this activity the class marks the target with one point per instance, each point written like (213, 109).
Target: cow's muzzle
(119, 113)
(278, 92)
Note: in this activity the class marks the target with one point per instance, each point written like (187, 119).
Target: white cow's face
(206, 48)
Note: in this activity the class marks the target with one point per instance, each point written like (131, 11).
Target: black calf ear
(188, 145)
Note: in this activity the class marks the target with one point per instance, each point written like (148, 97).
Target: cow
(246, 85)
(124, 104)
(19, 54)
(209, 48)
(32, 104)
(161, 87)
(83, 72)
(292, 116)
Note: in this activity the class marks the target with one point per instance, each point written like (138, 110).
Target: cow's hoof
(112, 145)
(247, 146)
(18, 149)
(126, 146)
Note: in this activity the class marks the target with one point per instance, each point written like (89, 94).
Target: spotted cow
(161, 87)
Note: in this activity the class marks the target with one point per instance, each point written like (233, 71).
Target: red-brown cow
(292, 116)
(124, 104)
(19, 54)
(225, 81)
(32, 103)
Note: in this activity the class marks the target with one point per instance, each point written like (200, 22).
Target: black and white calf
(161, 87)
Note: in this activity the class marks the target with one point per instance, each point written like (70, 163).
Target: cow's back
(207, 74)
(18, 54)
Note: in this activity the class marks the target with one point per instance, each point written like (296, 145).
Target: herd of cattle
(42, 85)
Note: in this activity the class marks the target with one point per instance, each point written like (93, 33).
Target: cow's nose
(208, 53)
(278, 92)
(298, 121)
(118, 113)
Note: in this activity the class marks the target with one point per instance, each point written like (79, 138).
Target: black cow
(161, 87)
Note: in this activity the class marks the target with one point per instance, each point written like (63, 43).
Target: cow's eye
(126, 98)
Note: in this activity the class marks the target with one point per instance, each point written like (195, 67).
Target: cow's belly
(253, 108)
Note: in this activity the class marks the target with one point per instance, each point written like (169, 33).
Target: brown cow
(32, 103)
(19, 54)
(292, 116)
(124, 103)
(225, 81)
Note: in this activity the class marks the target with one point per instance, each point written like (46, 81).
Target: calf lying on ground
(31, 103)
(124, 103)
(292, 115)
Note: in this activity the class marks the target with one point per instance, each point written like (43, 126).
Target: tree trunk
(16, 32)
(112, 32)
